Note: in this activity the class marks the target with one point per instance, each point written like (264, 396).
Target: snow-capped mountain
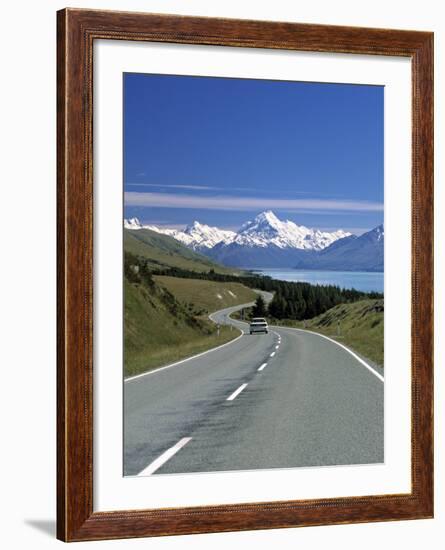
(266, 229)
(377, 234)
(132, 223)
(364, 253)
(197, 235)
(263, 231)
(202, 235)
(267, 241)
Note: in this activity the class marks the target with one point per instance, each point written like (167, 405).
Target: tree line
(291, 300)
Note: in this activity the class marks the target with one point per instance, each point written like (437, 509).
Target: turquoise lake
(360, 280)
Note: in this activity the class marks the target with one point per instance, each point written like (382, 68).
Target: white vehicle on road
(258, 324)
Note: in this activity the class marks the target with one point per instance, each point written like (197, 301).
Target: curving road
(286, 399)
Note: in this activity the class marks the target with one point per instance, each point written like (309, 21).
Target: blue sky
(221, 150)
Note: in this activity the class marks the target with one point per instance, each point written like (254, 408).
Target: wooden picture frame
(77, 31)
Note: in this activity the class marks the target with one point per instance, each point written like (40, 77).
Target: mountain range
(353, 253)
(267, 241)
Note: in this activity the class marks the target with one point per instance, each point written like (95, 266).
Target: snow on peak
(377, 234)
(193, 226)
(196, 235)
(207, 236)
(380, 232)
(267, 217)
(266, 229)
(132, 223)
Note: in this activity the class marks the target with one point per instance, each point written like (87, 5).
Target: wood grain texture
(76, 31)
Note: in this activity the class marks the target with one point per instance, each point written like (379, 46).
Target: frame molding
(76, 31)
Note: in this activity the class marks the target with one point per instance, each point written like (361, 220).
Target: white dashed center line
(236, 392)
(272, 354)
(156, 464)
(264, 365)
(276, 347)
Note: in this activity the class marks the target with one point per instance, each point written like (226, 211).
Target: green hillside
(166, 318)
(159, 330)
(206, 296)
(358, 325)
(163, 251)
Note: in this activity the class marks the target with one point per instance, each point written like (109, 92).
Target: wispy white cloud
(195, 187)
(219, 188)
(248, 203)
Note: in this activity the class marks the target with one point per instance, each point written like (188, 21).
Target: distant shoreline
(365, 281)
(261, 269)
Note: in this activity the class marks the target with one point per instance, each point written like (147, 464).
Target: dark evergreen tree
(291, 300)
(259, 309)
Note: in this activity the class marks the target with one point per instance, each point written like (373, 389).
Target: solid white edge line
(263, 366)
(359, 359)
(154, 371)
(272, 354)
(236, 392)
(167, 455)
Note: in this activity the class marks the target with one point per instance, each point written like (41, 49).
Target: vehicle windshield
(258, 320)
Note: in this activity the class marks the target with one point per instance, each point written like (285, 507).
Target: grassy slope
(165, 251)
(206, 296)
(155, 336)
(157, 330)
(361, 327)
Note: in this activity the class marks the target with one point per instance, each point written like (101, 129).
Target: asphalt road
(287, 399)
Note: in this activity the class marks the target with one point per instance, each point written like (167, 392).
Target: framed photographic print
(245, 229)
